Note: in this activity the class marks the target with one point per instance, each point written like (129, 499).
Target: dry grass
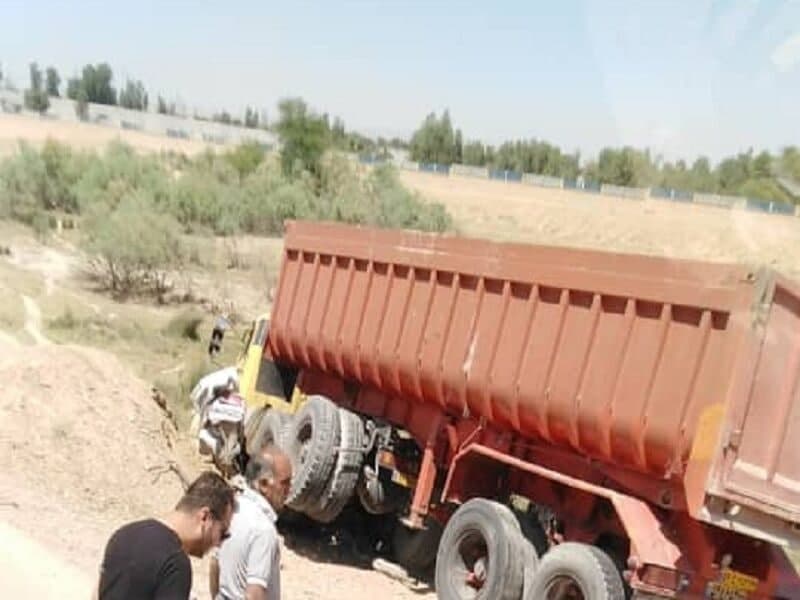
(36, 131)
(524, 213)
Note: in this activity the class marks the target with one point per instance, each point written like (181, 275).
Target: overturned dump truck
(581, 424)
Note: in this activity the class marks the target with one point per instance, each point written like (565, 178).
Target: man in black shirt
(149, 560)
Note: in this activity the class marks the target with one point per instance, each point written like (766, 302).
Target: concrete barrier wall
(543, 180)
(624, 192)
(148, 122)
(716, 200)
(469, 171)
(409, 165)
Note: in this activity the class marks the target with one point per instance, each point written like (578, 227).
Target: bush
(22, 181)
(106, 180)
(133, 247)
(395, 206)
(245, 158)
(241, 190)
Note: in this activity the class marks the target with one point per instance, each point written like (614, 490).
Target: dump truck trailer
(583, 424)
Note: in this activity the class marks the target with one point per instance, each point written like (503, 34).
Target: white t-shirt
(252, 554)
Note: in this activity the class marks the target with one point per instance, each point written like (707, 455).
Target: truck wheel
(342, 481)
(573, 571)
(415, 549)
(481, 555)
(533, 543)
(311, 446)
(271, 428)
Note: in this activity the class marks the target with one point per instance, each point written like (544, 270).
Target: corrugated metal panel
(764, 447)
(613, 356)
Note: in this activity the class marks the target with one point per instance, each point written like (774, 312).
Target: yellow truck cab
(260, 382)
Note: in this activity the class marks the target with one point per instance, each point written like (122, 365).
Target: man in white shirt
(247, 566)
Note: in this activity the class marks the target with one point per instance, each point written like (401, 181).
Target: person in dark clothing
(221, 325)
(149, 559)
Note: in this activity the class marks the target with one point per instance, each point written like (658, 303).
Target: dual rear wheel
(485, 555)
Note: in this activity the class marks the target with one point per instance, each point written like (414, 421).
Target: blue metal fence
(769, 206)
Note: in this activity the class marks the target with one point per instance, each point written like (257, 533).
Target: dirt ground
(83, 449)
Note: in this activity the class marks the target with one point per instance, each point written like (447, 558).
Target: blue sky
(683, 78)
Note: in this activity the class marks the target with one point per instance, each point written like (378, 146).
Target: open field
(510, 211)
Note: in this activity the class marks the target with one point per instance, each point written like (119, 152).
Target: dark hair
(208, 490)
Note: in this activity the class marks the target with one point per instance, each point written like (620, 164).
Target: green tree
(251, 118)
(74, 86)
(81, 104)
(97, 83)
(458, 148)
(789, 163)
(474, 154)
(134, 248)
(53, 82)
(762, 165)
(36, 96)
(626, 166)
(304, 137)
(133, 96)
(338, 134)
(434, 141)
(223, 117)
(245, 158)
(733, 172)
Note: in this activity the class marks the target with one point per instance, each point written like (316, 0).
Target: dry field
(36, 131)
(512, 211)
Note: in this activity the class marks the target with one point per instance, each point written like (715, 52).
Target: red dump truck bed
(672, 369)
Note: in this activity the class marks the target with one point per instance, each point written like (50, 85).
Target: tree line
(436, 140)
(747, 173)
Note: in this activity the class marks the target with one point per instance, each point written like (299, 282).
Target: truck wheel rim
(564, 588)
(471, 565)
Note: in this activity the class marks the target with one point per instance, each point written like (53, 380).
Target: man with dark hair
(148, 560)
(248, 563)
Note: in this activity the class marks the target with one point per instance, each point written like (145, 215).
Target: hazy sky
(681, 77)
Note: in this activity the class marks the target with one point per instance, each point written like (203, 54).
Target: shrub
(133, 247)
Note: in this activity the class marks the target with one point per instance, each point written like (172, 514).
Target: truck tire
(533, 543)
(415, 549)
(271, 428)
(572, 570)
(342, 482)
(311, 445)
(481, 556)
